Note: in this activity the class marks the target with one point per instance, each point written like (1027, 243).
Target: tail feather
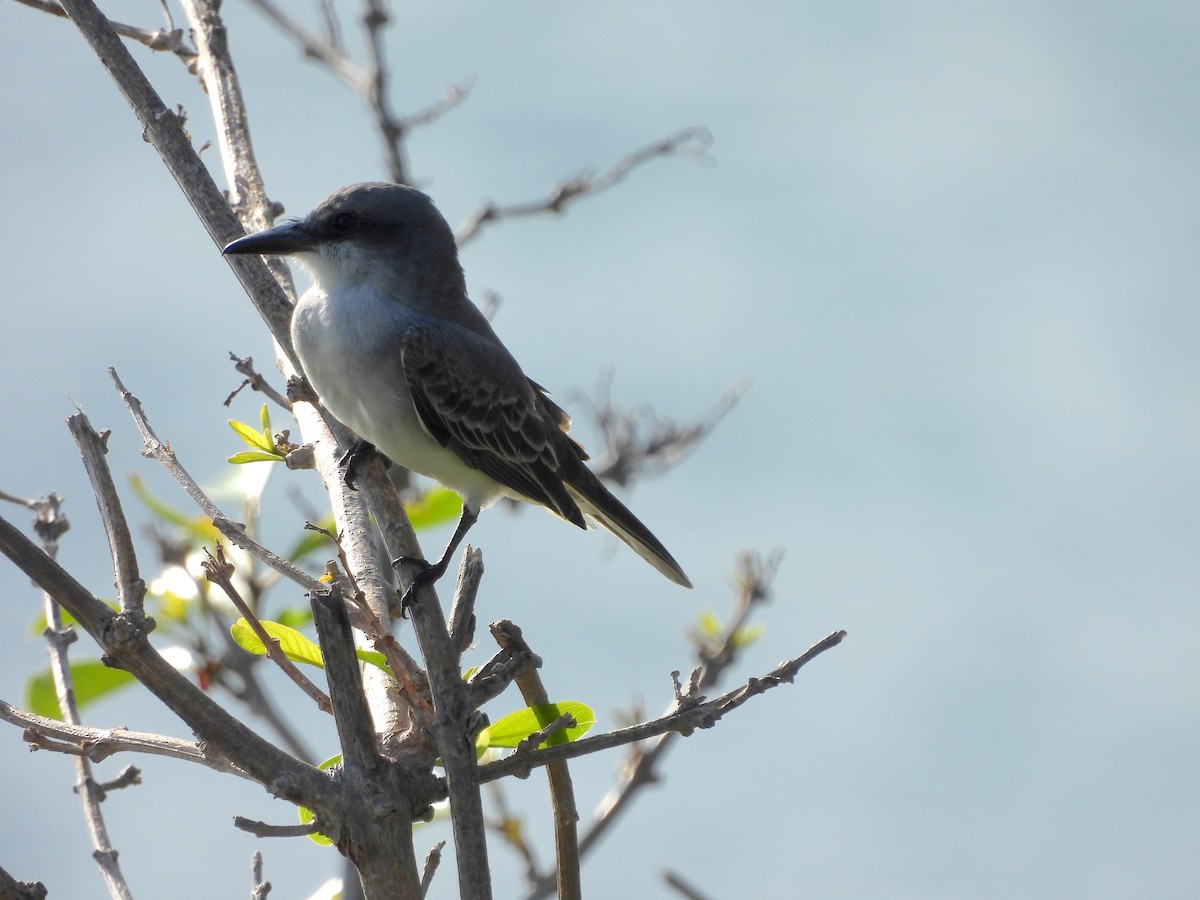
(596, 501)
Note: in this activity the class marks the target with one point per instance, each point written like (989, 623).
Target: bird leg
(429, 572)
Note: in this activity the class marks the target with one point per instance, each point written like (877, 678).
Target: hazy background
(953, 250)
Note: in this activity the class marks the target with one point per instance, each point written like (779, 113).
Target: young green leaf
(251, 436)
(261, 442)
(294, 645)
(249, 456)
(515, 727)
(375, 659)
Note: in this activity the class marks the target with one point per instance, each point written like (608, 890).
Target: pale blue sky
(952, 250)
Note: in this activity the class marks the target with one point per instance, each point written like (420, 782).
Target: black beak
(278, 241)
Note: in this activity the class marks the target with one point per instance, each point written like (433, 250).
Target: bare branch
(11, 889)
(682, 887)
(98, 744)
(48, 521)
(715, 655)
(93, 445)
(126, 644)
(413, 683)
(689, 141)
(220, 572)
(255, 381)
(562, 791)
(326, 51)
(90, 795)
(432, 859)
(693, 714)
(263, 829)
(377, 835)
(155, 449)
(455, 94)
(638, 442)
(258, 888)
(462, 609)
(375, 21)
(167, 40)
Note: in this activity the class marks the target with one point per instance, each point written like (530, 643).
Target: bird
(394, 348)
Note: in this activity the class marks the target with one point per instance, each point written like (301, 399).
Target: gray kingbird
(394, 348)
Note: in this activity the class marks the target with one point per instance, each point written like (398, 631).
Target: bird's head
(389, 236)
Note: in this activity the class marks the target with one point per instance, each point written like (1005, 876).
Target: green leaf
(436, 506)
(306, 814)
(92, 680)
(515, 727)
(373, 658)
(252, 437)
(294, 645)
(249, 456)
(264, 417)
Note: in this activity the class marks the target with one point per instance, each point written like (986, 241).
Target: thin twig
(432, 860)
(685, 720)
(167, 40)
(93, 445)
(258, 887)
(219, 571)
(462, 609)
(264, 829)
(323, 50)
(91, 796)
(412, 681)
(754, 588)
(639, 443)
(375, 22)
(455, 94)
(562, 791)
(254, 381)
(690, 141)
(682, 887)
(155, 449)
(126, 644)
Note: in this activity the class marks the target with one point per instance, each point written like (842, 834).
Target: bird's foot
(427, 573)
(360, 453)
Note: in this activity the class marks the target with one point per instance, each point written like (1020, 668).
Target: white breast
(350, 344)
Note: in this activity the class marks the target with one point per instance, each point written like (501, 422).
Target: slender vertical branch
(90, 794)
(562, 792)
(131, 589)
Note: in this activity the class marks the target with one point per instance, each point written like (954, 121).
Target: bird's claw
(359, 454)
(427, 573)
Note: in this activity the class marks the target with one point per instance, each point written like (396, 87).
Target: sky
(950, 251)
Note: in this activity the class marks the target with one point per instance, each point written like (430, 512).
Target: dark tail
(596, 500)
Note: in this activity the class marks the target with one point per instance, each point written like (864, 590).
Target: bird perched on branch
(395, 350)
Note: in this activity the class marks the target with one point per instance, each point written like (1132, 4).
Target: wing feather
(474, 400)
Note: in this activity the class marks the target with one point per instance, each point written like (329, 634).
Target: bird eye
(344, 222)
